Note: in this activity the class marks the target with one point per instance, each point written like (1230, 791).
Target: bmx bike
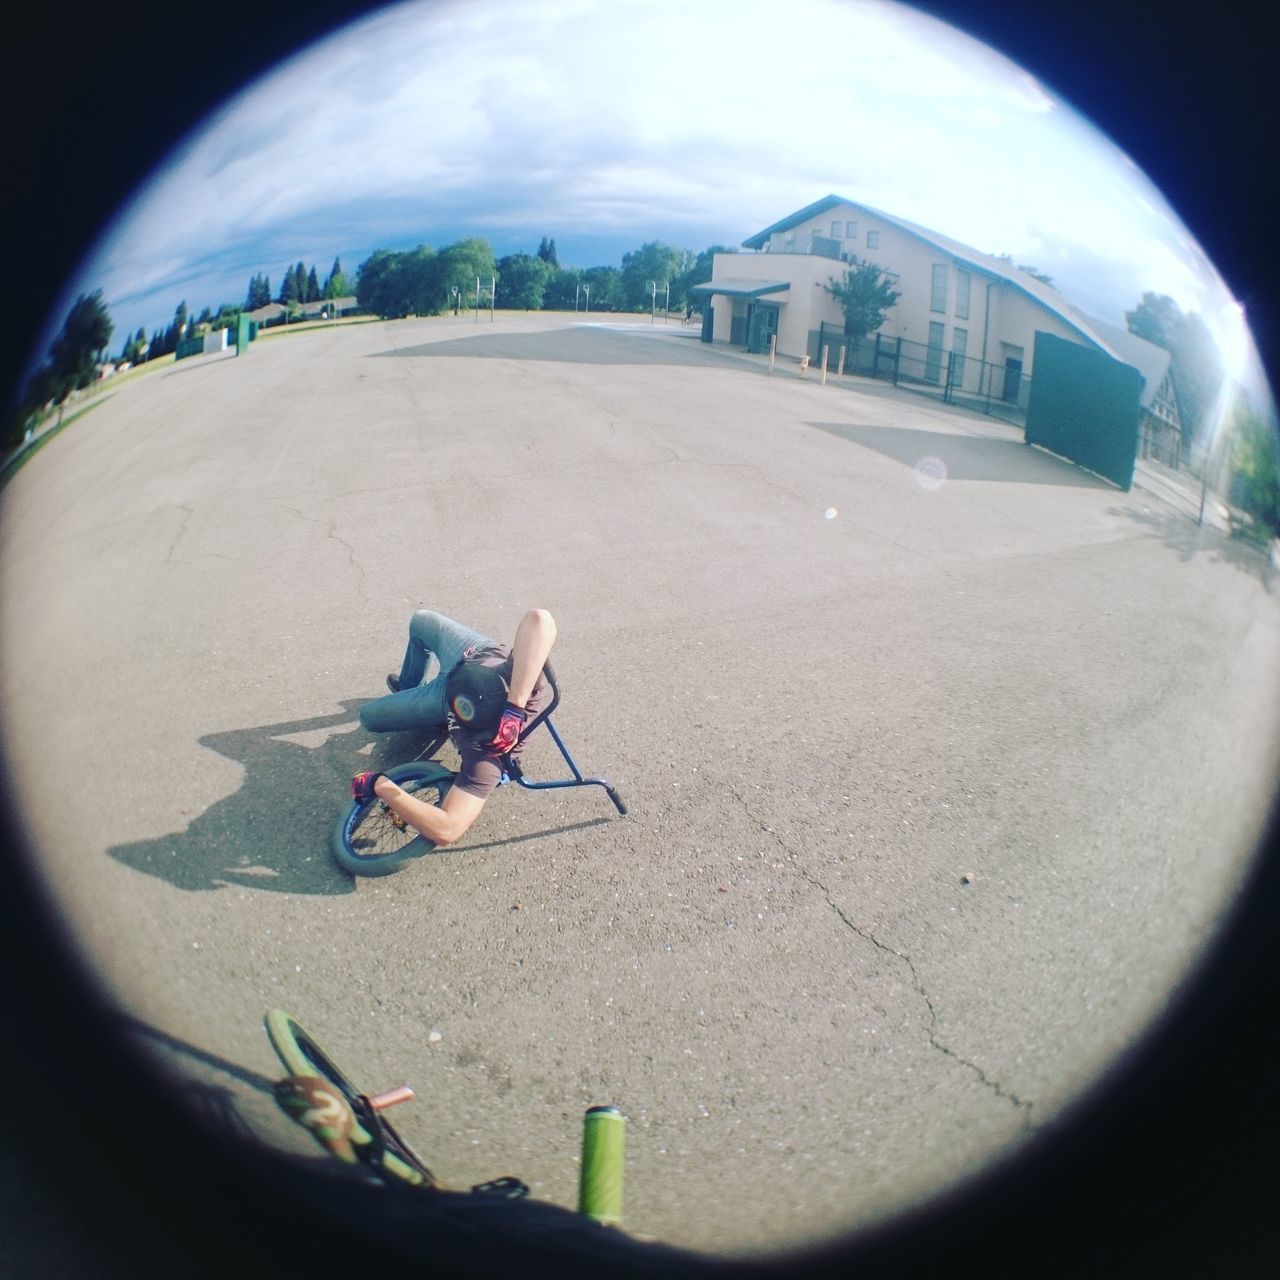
(371, 840)
(349, 1124)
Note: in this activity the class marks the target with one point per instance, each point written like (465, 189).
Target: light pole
(666, 304)
(586, 289)
(653, 301)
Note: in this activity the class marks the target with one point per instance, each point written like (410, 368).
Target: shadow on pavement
(1183, 535)
(967, 457)
(171, 1044)
(273, 833)
(577, 345)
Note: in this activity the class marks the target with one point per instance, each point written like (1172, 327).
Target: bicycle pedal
(502, 1189)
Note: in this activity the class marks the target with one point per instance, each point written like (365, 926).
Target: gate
(1085, 406)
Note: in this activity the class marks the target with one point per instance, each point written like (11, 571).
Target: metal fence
(993, 389)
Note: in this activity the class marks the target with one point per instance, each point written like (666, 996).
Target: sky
(604, 124)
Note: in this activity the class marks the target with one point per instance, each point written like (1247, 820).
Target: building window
(962, 295)
(959, 349)
(873, 239)
(933, 354)
(938, 302)
(837, 230)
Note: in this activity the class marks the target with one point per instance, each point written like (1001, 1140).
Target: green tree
(647, 271)
(605, 284)
(547, 251)
(335, 286)
(1195, 367)
(696, 271)
(522, 281)
(562, 290)
(313, 286)
(865, 296)
(288, 288)
(259, 294)
(1255, 467)
(81, 346)
(461, 265)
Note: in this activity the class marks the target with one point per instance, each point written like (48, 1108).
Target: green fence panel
(1084, 406)
(188, 347)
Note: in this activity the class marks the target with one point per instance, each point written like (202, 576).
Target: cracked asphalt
(943, 757)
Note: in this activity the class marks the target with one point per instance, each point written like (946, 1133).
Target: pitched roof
(983, 263)
(1150, 360)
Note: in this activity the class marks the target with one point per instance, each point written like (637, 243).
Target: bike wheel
(375, 1141)
(370, 840)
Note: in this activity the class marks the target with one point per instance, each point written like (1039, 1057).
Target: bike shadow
(273, 833)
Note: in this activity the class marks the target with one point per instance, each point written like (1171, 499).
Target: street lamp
(653, 301)
(586, 289)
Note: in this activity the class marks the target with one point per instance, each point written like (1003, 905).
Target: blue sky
(607, 123)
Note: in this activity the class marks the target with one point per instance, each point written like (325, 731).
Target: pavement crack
(331, 532)
(187, 512)
(867, 935)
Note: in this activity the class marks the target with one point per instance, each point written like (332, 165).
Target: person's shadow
(274, 832)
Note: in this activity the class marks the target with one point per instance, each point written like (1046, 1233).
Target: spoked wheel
(370, 840)
(375, 1141)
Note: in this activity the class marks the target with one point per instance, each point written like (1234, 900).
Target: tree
(461, 264)
(522, 281)
(1255, 467)
(74, 356)
(647, 271)
(563, 290)
(335, 286)
(288, 288)
(377, 289)
(259, 294)
(697, 271)
(865, 296)
(605, 284)
(1195, 367)
(313, 286)
(547, 251)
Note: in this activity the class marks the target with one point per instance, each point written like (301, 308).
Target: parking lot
(943, 757)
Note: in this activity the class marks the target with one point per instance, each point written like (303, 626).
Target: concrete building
(964, 318)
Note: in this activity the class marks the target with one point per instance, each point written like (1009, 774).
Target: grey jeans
(421, 705)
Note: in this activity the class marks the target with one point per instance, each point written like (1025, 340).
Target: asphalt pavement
(944, 758)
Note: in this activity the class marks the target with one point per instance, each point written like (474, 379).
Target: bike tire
(376, 1142)
(370, 840)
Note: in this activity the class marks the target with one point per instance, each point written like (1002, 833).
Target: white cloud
(577, 117)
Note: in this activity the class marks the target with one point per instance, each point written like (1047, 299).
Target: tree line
(426, 281)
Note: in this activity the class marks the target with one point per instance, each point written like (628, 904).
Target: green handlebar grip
(604, 1137)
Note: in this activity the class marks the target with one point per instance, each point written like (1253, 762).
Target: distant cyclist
(483, 693)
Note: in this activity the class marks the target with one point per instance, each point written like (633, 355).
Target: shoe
(393, 683)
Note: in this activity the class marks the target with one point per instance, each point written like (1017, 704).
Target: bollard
(825, 349)
(840, 366)
(773, 349)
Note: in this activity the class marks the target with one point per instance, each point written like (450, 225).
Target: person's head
(477, 692)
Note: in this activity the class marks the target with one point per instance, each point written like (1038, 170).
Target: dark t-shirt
(480, 771)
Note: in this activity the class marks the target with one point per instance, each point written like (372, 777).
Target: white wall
(1011, 322)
